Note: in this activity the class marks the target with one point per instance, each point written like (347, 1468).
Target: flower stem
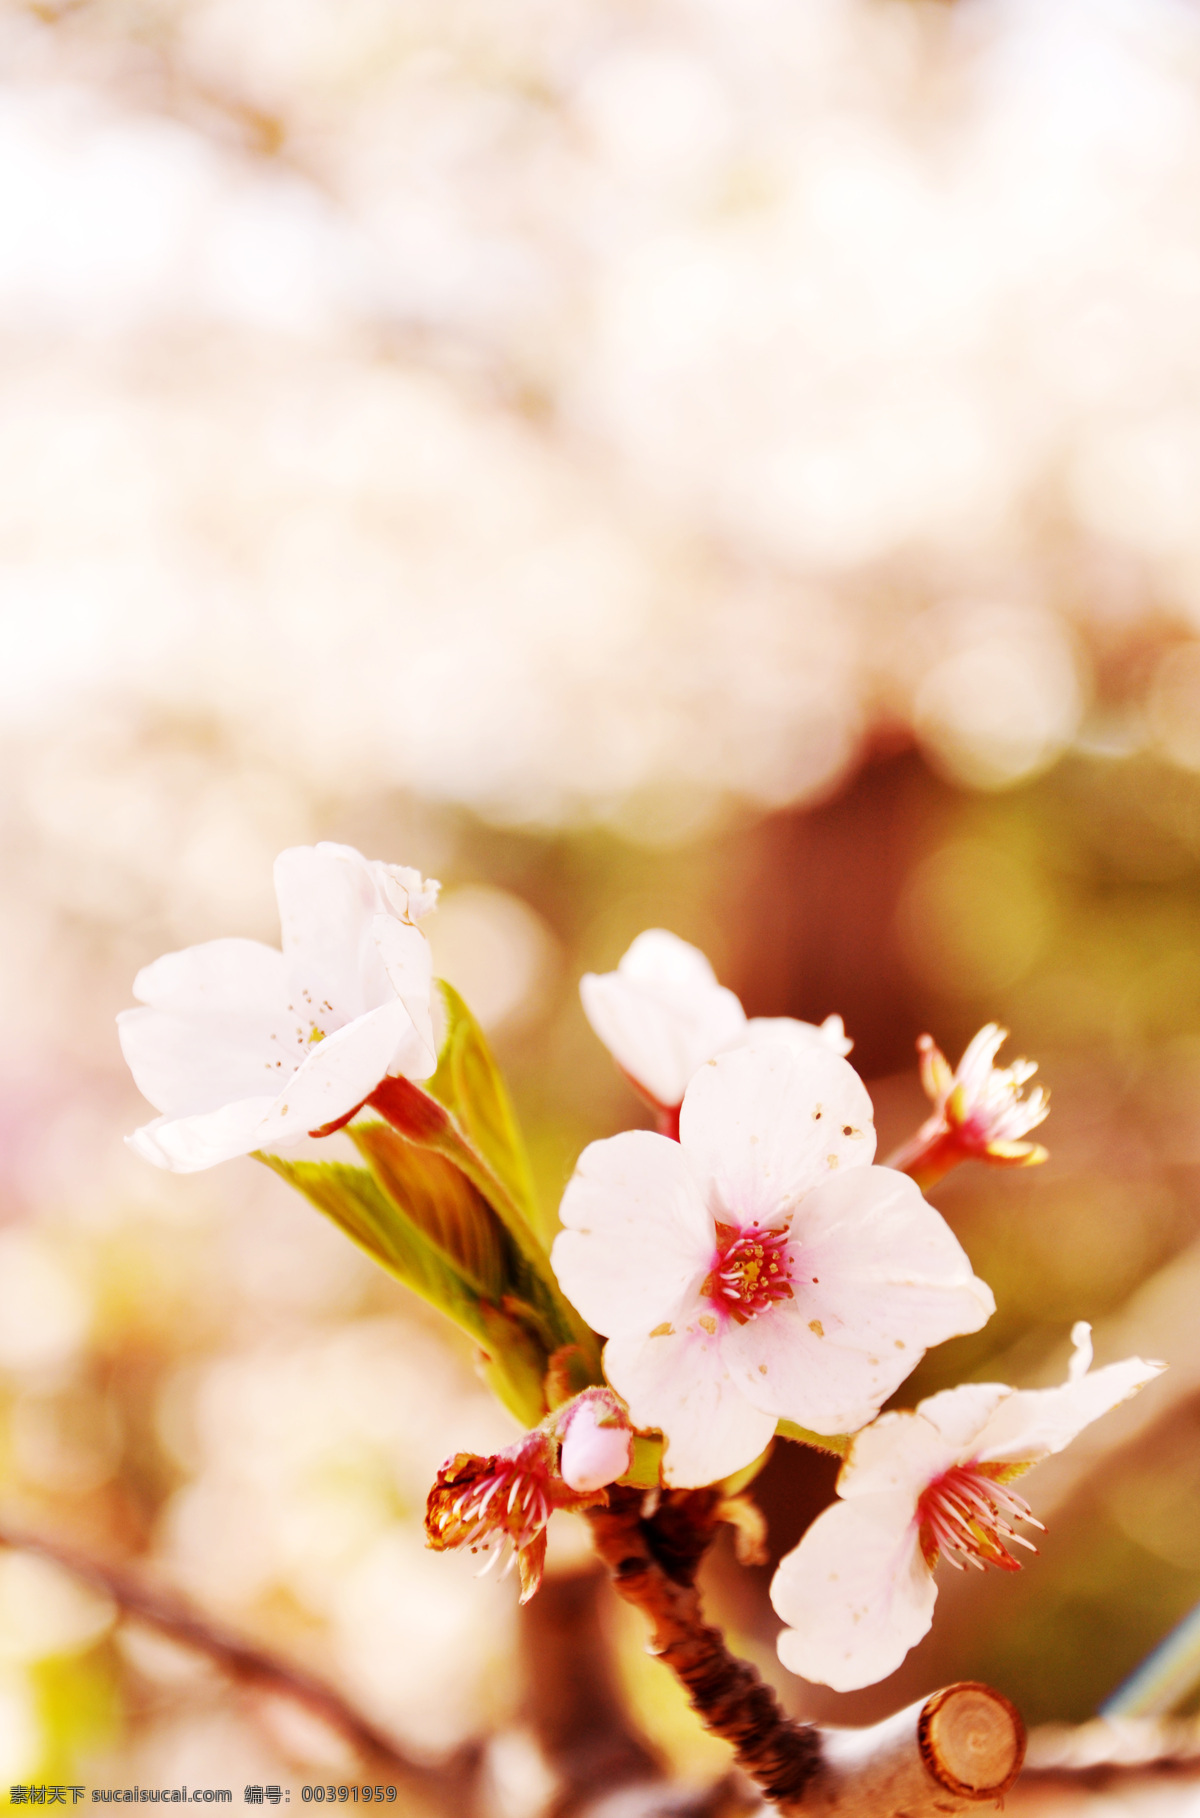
(962, 1746)
(653, 1565)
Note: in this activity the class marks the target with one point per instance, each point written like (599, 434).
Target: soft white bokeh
(309, 1461)
(44, 1610)
(530, 429)
(44, 1311)
(495, 950)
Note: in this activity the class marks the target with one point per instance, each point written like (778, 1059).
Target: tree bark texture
(963, 1746)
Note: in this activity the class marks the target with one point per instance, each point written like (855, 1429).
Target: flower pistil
(966, 1515)
(751, 1271)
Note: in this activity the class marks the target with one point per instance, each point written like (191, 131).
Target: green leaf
(423, 1121)
(353, 1199)
(837, 1443)
(514, 1362)
(443, 1204)
(469, 1083)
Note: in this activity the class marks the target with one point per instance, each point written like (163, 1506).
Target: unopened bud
(597, 1442)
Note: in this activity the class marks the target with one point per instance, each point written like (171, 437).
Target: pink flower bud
(598, 1443)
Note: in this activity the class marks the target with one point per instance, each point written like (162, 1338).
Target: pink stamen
(967, 1515)
(750, 1272)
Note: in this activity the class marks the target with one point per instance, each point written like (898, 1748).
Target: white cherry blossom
(980, 1111)
(759, 1267)
(662, 1014)
(241, 1046)
(858, 1592)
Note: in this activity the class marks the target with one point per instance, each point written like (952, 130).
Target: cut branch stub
(972, 1739)
(960, 1748)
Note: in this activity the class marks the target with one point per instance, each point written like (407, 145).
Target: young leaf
(424, 1122)
(469, 1083)
(353, 1199)
(442, 1203)
(452, 1213)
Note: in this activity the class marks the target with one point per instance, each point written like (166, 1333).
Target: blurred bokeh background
(719, 464)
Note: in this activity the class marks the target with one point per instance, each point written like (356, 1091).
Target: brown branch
(958, 1747)
(653, 1565)
(1114, 1752)
(572, 1701)
(449, 1786)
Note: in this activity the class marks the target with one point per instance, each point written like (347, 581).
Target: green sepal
(469, 1083)
(739, 1480)
(645, 1466)
(353, 1199)
(836, 1443)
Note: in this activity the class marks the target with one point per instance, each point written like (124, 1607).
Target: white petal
(408, 894)
(661, 1014)
(215, 1028)
(961, 1414)
(856, 1593)
(328, 900)
(888, 1266)
(678, 1382)
(762, 1031)
(408, 961)
(663, 962)
(636, 1235)
(235, 977)
(877, 1277)
(190, 1064)
(1032, 1423)
(785, 1366)
(764, 1126)
(186, 1144)
(593, 1455)
(338, 1074)
(900, 1452)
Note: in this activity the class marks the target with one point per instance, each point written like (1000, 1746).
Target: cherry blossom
(858, 1592)
(493, 1504)
(662, 1014)
(979, 1111)
(241, 1046)
(759, 1267)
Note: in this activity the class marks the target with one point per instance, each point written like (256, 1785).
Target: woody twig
(963, 1746)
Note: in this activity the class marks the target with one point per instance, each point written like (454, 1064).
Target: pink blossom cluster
(748, 1263)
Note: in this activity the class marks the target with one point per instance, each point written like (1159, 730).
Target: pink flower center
(967, 1515)
(750, 1271)
(494, 1499)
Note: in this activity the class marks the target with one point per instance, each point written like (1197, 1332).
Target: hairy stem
(653, 1565)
